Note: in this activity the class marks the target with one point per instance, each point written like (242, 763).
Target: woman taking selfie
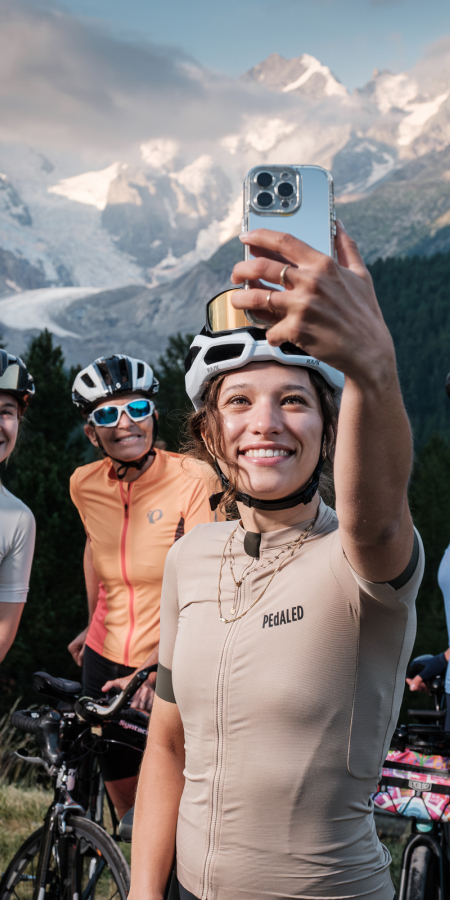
(284, 636)
(17, 526)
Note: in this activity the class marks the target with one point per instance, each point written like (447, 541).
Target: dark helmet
(108, 376)
(15, 378)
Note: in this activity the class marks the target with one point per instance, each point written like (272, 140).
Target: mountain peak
(301, 75)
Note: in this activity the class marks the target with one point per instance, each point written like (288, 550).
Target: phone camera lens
(285, 189)
(285, 204)
(264, 199)
(264, 179)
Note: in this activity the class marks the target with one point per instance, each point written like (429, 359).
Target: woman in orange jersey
(134, 504)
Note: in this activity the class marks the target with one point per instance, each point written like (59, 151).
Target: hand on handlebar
(144, 696)
(416, 684)
(432, 666)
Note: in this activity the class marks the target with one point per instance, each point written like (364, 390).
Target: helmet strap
(135, 463)
(304, 496)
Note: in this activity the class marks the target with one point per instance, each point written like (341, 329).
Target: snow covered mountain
(304, 76)
(133, 319)
(68, 227)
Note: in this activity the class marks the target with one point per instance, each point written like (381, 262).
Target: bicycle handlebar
(33, 723)
(87, 705)
(26, 722)
(46, 729)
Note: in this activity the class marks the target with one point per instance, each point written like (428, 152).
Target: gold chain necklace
(290, 550)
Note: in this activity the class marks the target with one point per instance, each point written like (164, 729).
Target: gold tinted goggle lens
(221, 314)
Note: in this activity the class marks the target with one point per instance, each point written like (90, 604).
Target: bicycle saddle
(61, 688)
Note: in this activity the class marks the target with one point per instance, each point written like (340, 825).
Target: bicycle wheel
(423, 878)
(85, 862)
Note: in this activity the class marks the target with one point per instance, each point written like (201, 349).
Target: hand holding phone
(330, 309)
(296, 200)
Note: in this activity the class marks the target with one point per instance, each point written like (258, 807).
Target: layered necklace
(283, 556)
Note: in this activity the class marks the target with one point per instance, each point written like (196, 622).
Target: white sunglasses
(108, 416)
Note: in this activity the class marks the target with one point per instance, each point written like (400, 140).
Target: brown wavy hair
(204, 435)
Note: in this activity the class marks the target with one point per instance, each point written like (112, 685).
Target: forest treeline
(414, 295)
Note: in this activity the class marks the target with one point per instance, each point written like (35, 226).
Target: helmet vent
(223, 352)
(193, 352)
(123, 369)
(140, 370)
(88, 380)
(105, 373)
(292, 350)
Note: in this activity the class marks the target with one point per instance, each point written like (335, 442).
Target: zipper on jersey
(214, 824)
(126, 500)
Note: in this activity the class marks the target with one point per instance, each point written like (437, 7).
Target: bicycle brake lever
(34, 760)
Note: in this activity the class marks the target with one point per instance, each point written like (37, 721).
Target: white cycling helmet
(112, 375)
(229, 341)
(218, 349)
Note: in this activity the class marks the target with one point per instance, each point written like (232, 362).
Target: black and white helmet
(216, 354)
(112, 375)
(15, 378)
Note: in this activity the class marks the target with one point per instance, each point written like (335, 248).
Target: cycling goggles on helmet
(108, 416)
(222, 316)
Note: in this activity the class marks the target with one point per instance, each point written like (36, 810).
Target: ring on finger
(282, 276)
(269, 305)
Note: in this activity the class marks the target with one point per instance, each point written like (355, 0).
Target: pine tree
(171, 400)
(430, 506)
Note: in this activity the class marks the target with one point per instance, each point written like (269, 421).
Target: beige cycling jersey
(288, 714)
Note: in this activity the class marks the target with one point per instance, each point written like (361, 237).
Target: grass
(395, 848)
(21, 812)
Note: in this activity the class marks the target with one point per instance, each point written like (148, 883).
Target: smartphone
(297, 200)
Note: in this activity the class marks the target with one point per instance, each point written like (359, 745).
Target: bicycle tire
(97, 871)
(423, 877)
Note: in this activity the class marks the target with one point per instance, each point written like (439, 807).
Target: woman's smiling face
(272, 428)
(9, 423)
(129, 439)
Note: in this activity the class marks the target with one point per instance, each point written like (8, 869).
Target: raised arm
(331, 311)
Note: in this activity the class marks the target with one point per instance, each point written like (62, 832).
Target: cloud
(66, 83)
(432, 71)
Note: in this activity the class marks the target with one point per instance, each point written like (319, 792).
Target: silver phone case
(313, 222)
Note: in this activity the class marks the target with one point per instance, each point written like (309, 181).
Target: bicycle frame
(54, 825)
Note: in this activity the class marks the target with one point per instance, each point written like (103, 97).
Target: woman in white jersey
(17, 526)
(284, 637)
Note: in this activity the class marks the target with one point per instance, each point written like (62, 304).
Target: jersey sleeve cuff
(164, 688)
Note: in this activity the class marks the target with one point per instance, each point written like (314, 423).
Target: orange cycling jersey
(131, 528)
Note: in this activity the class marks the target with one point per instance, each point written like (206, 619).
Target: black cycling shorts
(118, 761)
(184, 894)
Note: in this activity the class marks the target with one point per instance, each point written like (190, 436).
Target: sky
(352, 37)
(106, 75)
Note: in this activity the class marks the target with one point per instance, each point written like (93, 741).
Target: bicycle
(415, 783)
(72, 857)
